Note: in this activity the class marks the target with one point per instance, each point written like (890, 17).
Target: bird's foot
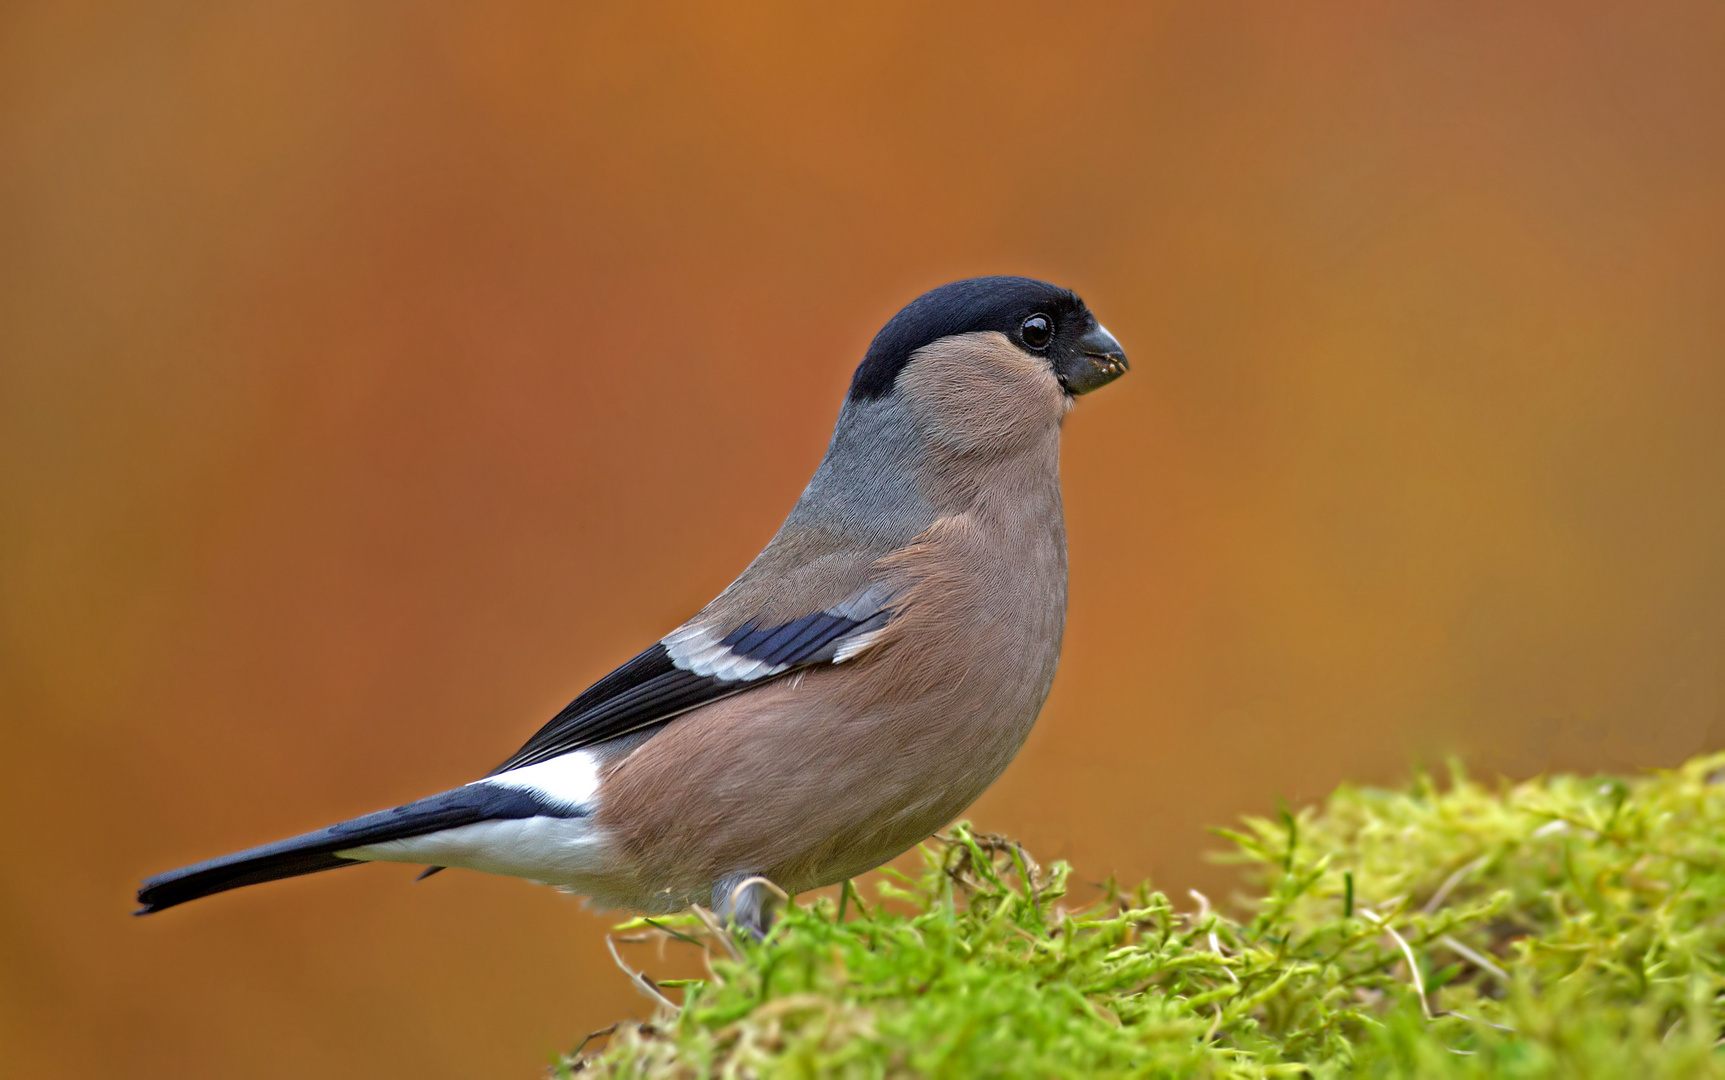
(749, 902)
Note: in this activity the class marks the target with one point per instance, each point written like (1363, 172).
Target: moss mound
(1565, 927)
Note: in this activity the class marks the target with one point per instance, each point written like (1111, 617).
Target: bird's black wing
(667, 680)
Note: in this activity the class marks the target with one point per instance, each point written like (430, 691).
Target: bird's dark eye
(1037, 330)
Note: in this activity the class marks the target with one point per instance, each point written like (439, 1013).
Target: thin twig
(711, 922)
(678, 934)
(766, 883)
(1474, 957)
(1451, 882)
(642, 983)
(1215, 939)
(1413, 964)
(1477, 1020)
(591, 1035)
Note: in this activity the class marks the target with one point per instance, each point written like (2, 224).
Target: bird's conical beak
(1097, 361)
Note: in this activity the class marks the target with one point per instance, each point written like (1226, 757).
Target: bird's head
(1034, 319)
(985, 357)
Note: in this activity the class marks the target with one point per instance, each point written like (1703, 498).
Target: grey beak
(1097, 361)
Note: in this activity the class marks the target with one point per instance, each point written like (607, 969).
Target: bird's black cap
(963, 307)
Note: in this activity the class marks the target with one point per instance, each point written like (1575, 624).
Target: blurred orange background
(373, 377)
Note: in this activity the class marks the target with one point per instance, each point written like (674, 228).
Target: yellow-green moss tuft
(1564, 927)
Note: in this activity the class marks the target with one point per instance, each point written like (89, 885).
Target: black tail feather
(230, 872)
(315, 851)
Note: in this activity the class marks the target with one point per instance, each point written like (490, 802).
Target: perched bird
(871, 672)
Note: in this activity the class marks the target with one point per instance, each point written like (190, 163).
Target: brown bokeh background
(373, 377)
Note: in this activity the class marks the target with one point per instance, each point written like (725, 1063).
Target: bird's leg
(749, 901)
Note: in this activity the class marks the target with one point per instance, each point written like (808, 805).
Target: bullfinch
(864, 680)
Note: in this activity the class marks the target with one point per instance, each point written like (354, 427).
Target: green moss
(1564, 927)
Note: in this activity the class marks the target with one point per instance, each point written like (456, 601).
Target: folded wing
(698, 663)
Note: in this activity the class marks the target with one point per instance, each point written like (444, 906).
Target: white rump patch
(553, 851)
(570, 781)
